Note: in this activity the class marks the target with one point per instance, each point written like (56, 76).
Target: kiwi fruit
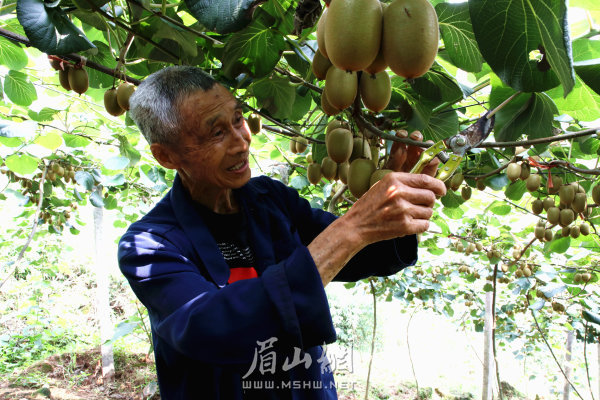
(359, 176)
(548, 202)
(579, 202)
(575, 231)
(480, 184)
(110, 103)
(553, 215)
(537, 206)
(456, 180)
(360, 149)
(539, 232)
(334, 124)
(301, 144)
(343, 172)
(339, 145)
(584, 229)
(124, 92)
(525, 171)
(566, 231)
(376, 90)
(566, 194)
(254, 123)
(377, 175)
(293, 145)
(63, 78)
(326, 106)
(548, 235)
(328, 168)
(513, 171)
(321, 33)
(378, 64)
(566, 217)
(555, 186)
(410, 37)
(78, 80)
(341, 87)
(466, 192)
(313, 172)
(353, 33)
(596, 194)
(320, 65)
(533, 182)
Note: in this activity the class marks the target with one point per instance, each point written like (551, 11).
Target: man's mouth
(238, 166)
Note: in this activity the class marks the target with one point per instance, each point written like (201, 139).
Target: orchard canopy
(534, 242)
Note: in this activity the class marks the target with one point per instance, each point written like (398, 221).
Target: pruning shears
(458, 144)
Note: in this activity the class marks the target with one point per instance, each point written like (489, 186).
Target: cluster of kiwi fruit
(351, 158)
(70, 76)
(366, 37)
(116, 100)
(52, 215)
(572, 201)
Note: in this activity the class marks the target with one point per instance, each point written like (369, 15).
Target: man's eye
(218, 133)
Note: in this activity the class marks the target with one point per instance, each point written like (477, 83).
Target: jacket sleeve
(222, 326)
(378, 259)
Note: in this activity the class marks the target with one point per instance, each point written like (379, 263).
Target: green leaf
(441, 126)
(557, 245)
(508, 33)
(18, 88)
(582, 103)
(437, 86)
(258, 47)
(224, 16)
(85, 179)
(51, 140)
(103, 57)
(186, 40)
(527, 114)
(96, 200)
(452, 200)
(591, 317)
(75, 140)
(538, 305)
(45, 114)
(319, 151)
(49, 28)
(516, 190)
(116, 163)
(127, 150)
(585, 49)
(12, 55)
(276, 95)
(502, 209)
(113, 180)
(589, 72)
(457, 34)
(299, 182)
(21, 164)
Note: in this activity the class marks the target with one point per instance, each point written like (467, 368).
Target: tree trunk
(568, 356)
(488, 351)
(103, 299)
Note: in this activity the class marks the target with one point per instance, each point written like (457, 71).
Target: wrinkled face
(213, 147)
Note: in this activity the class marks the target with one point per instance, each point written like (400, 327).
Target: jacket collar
(196, 230)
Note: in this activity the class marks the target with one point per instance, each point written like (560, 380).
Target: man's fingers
(414, 152)
(422, 181)
(398, 153)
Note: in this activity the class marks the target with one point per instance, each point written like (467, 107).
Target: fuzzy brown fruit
(410, 37)
(353, 33)
(533, 182)
(314, 173)
(320, 64)
(376, 90)
(301, 144)
(321, 33)
(377, 175)
(78, 80)
(326, 106)
(339, 145)
(63, 78)
(341, 87)
(359, 176)
(124, 92)
(343, 172)
(537, 206)
(596, 194)
(254, 123)
(110, 103)
(513, 171)
(328, 168)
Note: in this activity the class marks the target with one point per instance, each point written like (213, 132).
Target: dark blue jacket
(205, 331)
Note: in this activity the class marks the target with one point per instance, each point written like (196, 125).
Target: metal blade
(471, 136)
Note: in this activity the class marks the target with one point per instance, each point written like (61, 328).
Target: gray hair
(154, 106)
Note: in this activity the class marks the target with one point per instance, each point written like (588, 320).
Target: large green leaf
(589, 72)
(509, 31)
(437, 86)
(22, 164)
(441, 126)
(527, 114)
(103, 57)
(186, 40)
(458, 36)
(223, 16)
(582, 103)
(276, 95)
(258, 47)
(18, 88)
(12, 55)
(49, 28)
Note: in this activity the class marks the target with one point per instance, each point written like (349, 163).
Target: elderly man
(233, 269)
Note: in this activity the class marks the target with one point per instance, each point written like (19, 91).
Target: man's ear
(164, 155)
